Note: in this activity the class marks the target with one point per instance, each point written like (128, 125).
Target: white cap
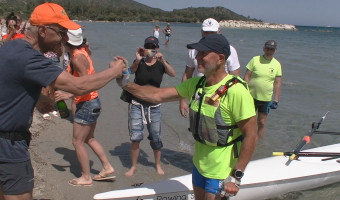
(210, 24)
(75, 37)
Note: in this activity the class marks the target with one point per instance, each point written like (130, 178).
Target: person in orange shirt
(12, 23)
(85, 112)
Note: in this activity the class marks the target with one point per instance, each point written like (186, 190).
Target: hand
(123, 80)
(119, 64)
(183, 108)
(228, 187)
(139, 53)
(59, 95)
(274, 105)
(159, 57)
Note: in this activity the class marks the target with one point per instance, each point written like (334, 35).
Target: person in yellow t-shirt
(224, 128)
(263, 76)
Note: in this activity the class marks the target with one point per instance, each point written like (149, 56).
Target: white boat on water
(263, 179)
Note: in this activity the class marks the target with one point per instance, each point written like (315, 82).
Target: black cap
(212, 42)
(151, 40)
(270, 44)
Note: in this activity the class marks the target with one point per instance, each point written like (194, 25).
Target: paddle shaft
(305, 140)
(308, 154)
(327, 132)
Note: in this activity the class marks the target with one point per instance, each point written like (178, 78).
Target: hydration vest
(213, 131)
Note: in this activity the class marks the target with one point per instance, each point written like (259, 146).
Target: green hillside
(121, 10)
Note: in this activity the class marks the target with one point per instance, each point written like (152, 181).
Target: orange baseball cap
(51, 13)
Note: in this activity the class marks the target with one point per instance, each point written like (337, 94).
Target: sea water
(311, 74)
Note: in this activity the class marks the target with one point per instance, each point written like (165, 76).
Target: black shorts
(262, 106)
(16, 178)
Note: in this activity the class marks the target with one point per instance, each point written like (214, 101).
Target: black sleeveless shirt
(149, 75)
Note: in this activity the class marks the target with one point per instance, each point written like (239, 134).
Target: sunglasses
(62, 33)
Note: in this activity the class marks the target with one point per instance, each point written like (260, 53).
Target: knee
(156, 145)
(77, 143)
(89, 140)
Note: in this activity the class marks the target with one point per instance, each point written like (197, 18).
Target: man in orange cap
(21, 81)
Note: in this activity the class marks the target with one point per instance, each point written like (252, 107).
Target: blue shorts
(208, 184)
(87, 112)
(16, 178)
(262, 106)
(167, 37)
(153, 124)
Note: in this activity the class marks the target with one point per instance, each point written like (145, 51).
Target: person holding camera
(12, 24)
(148, 67)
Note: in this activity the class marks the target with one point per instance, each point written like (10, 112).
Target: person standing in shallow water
(263, 75)
(167, 32)
(156, 32)
(148, 67)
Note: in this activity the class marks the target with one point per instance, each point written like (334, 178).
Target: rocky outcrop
(255, 25)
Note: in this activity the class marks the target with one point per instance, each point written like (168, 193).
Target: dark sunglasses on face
(149, 46)
(62, 33)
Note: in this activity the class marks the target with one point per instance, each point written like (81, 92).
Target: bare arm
(183, 107)
(80, 64)
(247, 76)
(134, 65)
(11, 31)
(277, 87)
(236, 72)
(248, 128)
(152, 94)
(168, 68)
(88, 83)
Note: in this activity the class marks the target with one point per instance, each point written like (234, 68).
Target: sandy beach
(55, 162)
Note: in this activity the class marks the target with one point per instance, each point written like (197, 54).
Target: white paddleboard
(264, 178)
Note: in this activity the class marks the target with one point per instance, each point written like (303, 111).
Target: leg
(136, 135)
(154, 128)
(1, 195)
(80, 134)
(23, 196)
(17, 181)
(134, 152)
(199, 193)
(97, 148)
(166, 40)
(261, 121)
(157, 154)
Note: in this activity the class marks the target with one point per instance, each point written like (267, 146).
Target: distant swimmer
(156, 32)
(167, 31)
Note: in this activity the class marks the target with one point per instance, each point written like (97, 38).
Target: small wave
(288, 83)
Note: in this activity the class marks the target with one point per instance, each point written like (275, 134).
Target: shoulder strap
(198, 85)
(232, 82)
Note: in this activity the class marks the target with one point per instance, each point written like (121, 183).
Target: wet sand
(55, 162)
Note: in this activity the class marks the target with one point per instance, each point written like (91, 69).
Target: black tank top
(149, 75)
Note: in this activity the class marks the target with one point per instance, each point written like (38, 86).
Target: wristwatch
(238, 174)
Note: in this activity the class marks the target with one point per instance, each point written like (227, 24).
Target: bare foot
(130, 172)
(80, 182)
(159, 170)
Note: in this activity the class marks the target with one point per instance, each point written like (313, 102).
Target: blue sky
(296, 12)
